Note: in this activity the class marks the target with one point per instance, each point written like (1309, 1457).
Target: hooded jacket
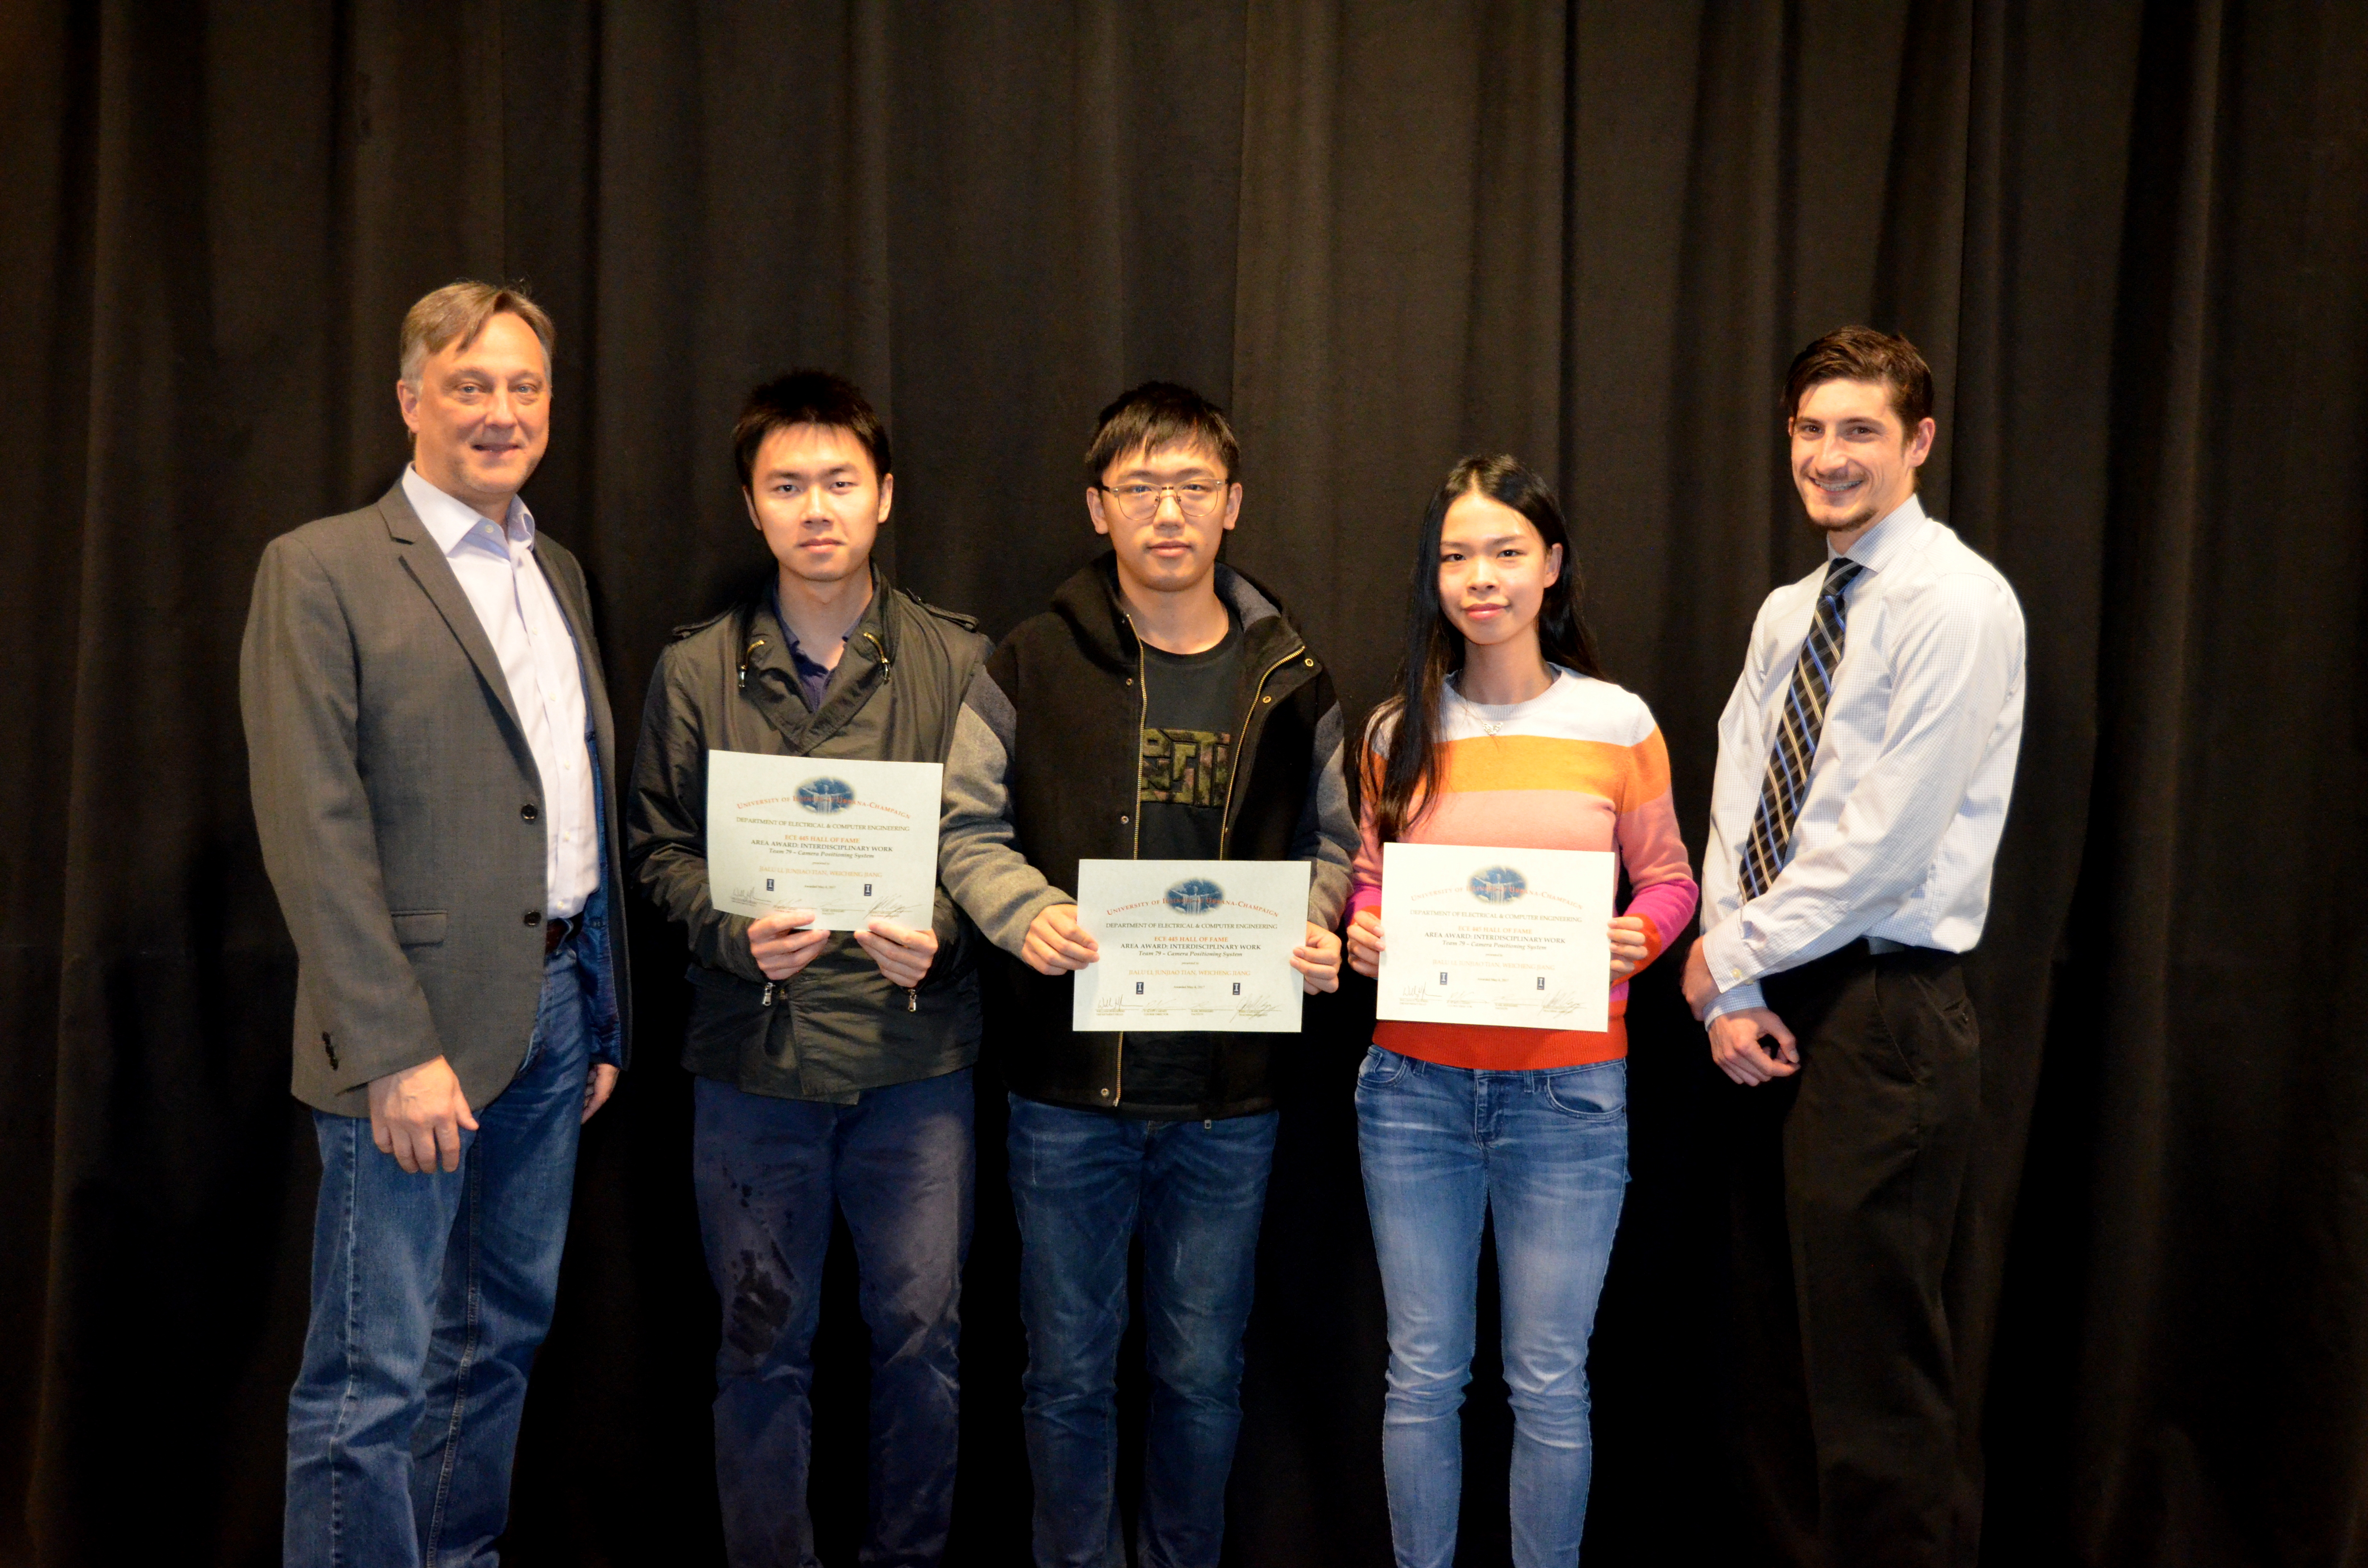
(1046, 771)
(838, 1026)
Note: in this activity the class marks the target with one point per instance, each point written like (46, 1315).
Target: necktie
(1798, 728)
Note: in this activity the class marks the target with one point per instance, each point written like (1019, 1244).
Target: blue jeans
(1547, 1152)
(430, 1294)
(1081, 1181)
(769, 1173)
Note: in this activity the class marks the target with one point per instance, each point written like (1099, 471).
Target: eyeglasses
(1196, 499)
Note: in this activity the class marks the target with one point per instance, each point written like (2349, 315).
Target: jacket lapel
(566, 590)
(416, 548)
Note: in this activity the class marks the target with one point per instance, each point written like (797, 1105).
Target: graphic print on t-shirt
(1186, 767)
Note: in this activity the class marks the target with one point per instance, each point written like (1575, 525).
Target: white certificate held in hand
(1191, 945)
(845, 839)
(1516, 937)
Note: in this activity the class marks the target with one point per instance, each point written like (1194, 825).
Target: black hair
(1434, 649)
(1156, 414)
(807, 397)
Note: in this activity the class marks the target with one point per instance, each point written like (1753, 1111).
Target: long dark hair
(1434, 649)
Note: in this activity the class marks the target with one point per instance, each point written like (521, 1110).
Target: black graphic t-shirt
(1188, 748)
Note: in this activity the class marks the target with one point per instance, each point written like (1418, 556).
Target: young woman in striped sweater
(1503, 733)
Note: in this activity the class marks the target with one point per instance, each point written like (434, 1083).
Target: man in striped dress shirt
(1864, 763)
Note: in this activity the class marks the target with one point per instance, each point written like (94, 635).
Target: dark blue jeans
(430, 1294)
(769, 1173)
(1082, 1181)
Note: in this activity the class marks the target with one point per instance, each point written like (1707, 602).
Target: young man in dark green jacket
(1165, 708)
(834, 1072)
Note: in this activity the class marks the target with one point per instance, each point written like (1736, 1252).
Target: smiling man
(834, 1072)
(430, 755)
(1864, 764)
(1163, 707)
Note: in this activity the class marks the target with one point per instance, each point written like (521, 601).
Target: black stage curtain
(2132, 237)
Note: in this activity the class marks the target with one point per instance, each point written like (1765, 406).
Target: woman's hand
(1630, 951)
(1365, 943)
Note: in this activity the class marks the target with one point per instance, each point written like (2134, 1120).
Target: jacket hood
(1090, 603)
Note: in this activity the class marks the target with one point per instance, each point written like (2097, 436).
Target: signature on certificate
(1255, 1007)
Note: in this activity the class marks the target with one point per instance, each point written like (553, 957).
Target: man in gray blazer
(432, 762)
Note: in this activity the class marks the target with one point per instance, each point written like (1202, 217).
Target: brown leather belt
(556, 929)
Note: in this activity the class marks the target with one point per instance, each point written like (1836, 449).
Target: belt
(556, 929)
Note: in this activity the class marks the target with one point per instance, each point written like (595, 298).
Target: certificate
(1191, 945)
(1516, 937)
(845, 839)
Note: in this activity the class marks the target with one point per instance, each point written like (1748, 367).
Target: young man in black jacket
(833, 1073)
(1163, 707)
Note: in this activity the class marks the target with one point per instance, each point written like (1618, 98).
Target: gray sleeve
(299, 696)
(1326, 834)
(977, 859)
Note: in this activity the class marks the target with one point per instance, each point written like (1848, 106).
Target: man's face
(1853, 462)
(481, 415)
(815, 497)
(1165, 513)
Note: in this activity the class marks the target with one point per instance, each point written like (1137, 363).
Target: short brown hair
(458, 312)
(1863, 354)
(1156, 414)
(807, 397)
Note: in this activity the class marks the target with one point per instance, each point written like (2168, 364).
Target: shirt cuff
(1730, 962)
(1735, 1001)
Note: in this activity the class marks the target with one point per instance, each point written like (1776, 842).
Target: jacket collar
(771, 680)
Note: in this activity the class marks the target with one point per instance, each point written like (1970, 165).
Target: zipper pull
(912, 1000)
(767, 1000)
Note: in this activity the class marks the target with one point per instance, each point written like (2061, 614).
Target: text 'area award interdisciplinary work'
(1191, 945)
(847, 838)
(1514, 938)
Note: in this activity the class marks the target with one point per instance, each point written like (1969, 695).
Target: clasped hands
(1735, 1037)
(1056, 943)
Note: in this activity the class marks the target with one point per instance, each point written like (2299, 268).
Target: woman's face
(1493, 570)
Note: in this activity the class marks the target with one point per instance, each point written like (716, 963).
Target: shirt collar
(450, 520)
(789, 636)
(1881, 544)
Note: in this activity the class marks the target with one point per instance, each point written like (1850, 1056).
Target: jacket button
(534, 917)
(529, 812)
(1268, 697)
(1105, 1093)
(1309, 662)
(1121, 819)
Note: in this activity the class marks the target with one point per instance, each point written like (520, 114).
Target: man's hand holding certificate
(850, 840)
(1190, 945)
(1516, 937)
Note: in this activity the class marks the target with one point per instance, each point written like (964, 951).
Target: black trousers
(1848, 1179)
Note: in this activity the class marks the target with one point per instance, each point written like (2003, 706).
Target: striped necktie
(1797, 731)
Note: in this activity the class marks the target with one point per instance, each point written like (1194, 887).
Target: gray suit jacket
(402, 813)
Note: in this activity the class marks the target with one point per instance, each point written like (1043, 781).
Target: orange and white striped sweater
(1580, 766)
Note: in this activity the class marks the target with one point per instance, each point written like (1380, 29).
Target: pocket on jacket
(420, 927)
